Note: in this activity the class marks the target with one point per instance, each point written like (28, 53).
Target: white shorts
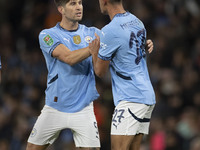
(51, 121)
(131, 118)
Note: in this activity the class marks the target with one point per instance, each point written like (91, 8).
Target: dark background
(174, 67)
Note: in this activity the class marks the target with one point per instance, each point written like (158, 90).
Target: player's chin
(79, 18)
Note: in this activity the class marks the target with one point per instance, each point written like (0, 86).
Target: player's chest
(76, 41)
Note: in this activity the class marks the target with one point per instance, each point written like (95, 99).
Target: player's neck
(69, 25)
(115, 9)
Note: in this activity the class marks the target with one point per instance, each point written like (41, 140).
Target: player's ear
(61, 9)
(105, 2)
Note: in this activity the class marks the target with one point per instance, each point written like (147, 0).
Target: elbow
(100, 70)
(99, 73)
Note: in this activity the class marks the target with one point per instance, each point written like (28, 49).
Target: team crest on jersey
(48, 40)
(88, 39)
(77, 39)
(33, 132)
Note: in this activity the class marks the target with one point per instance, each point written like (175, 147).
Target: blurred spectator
(195, 144)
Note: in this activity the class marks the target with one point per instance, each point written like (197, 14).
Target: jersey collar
(122, 14)
(61, 28)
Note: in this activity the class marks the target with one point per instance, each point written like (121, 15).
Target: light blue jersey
(69, 88)
(123, 43)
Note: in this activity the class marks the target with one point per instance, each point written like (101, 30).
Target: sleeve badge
(48, 40)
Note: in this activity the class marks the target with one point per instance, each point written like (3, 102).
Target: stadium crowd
(174, 65)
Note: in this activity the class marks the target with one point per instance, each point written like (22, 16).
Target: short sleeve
(48, 41)
(108, 44)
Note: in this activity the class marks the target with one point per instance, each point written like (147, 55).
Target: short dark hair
(61, 2)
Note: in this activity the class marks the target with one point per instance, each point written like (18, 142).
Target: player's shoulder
(109, 30)
(84, 27)
(49, 30)
(89, 30)
(136, 20)
(113, 25)
(108, 26)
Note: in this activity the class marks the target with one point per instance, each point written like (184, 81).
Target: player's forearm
(94, 61)
(76, 56)
(62, 53)
(100, 66)
(94, 54)
(94, 50)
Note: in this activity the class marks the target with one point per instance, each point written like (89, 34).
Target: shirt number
(140, 47)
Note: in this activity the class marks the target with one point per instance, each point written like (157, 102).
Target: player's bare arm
(64, 54)
(100, 66)
(94, 48)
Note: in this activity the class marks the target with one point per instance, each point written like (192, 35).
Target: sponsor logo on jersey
(66, 39)
(77, 39)
(103, 45)
(48, 40)
(88, 39)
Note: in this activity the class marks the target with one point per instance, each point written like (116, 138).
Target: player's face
(73, 10)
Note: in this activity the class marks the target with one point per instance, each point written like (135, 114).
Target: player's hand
(149, 45)
(94, 45)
